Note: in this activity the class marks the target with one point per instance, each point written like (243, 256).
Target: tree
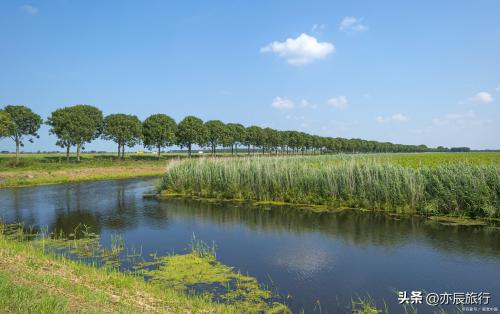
(75, 125)
(122, 129)
(191, 131)
(25, 123)
(5, 123)
(159, 131)
(236, 135)
(216, 133)
(254, 137)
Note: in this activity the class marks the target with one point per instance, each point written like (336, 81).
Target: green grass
(36, 277)
(412, 183)
(14, 297)
(39, 169)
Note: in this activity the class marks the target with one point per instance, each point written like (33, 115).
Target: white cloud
(282, 103)
(306, 104)
(397, 117)
(301, 50)
(351, 23)
(480, 98)
(318, 27)
(339, 102)
(29, 9)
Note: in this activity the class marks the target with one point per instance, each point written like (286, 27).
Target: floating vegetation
(197, 272)
(454, 189)
(200, 272)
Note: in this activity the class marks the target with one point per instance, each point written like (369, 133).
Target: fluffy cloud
(480, 98)
(282, 103)
(351, 23)
(29, 9)
(339, 102)
(397, 117)
(301, 50)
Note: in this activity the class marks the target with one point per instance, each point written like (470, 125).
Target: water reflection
(311, 256)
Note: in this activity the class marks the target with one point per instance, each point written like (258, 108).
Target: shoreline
(441, 219)
(26, 178)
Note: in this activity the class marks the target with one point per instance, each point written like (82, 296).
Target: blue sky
(425, 72)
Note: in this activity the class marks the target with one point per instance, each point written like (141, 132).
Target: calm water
(308, 256)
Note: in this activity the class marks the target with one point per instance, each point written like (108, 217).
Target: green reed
(458, 189)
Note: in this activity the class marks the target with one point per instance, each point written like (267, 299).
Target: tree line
(75, 126)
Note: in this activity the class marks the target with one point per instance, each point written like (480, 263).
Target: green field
(464, 185)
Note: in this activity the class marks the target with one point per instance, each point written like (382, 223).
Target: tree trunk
(17, 149)
(67, 153)
(119, 148)
(232, 149)
(159, 152)
(189, 150)
(78, 152)
(123, 152)
(248, 149)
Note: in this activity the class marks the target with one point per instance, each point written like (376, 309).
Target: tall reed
(460, 189)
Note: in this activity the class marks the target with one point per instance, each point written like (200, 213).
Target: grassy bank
(456, 188)
(37, 169)
(36, 279)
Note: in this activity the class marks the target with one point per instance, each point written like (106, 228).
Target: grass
(433, 185)
(39, 169)
(37, 277)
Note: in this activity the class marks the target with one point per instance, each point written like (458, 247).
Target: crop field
(432, 184)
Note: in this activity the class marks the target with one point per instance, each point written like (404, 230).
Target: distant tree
(191, 131)
(25, 123)
(251, 135)
(75, 125)
(255, 137)
(5, 123)
(216, 133)
(159, 131)
(122, 129)
(236, 135)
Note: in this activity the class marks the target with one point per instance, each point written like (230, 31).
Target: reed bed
(457, 189)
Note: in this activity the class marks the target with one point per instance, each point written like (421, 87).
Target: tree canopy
(191, 131)
(75, 125)
(25, 123)
(216, 133)
(159, 131)
(123, 129)
(5, 123)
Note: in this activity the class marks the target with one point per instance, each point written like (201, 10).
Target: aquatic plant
(459, 189)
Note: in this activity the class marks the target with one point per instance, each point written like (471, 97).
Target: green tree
(75, 125)
(216, 133)
(5, 123)
(159, 131)
(254, 137)
(25, 123)
(236, 135)
(191, 131)
(122, 129)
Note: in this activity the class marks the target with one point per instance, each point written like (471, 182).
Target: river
(318, 260)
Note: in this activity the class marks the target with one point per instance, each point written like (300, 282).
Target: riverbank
(42, 169)
(71, 175)
(33, 280)
(459, 188)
